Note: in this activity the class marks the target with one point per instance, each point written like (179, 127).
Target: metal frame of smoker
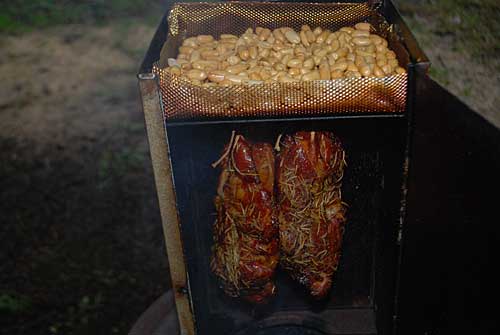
(417, 166)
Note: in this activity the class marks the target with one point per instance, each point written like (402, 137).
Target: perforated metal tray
(183, 100)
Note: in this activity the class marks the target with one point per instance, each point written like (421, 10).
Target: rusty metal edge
(162, 169)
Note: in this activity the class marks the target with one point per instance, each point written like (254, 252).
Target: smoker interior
(362, 297)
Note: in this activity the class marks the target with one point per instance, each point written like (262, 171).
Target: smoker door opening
(362, 295)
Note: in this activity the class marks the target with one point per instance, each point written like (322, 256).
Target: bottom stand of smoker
(161, 319)
(287, 330)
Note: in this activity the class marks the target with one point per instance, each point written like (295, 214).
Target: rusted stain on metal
(160, 157)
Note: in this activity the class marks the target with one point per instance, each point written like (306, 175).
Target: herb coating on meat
(311, 212)
(245, 251)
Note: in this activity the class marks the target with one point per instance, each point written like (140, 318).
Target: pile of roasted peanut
(283, 55)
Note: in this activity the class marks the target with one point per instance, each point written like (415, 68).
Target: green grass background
(474, 24)
(24, 15)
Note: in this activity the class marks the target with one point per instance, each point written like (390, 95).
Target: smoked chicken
(246, 251)
(311, 213)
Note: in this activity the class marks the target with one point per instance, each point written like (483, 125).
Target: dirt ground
(463, 45)
(80, 225)
(82, 244)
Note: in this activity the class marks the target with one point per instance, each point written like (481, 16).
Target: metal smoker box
(394, 236)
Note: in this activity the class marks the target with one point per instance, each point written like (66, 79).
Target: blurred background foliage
(25, 15)
(473, 26)
(474, 22)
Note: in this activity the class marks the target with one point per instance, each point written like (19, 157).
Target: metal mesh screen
(183, 100)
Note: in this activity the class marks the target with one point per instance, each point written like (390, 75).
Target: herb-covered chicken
(311, 211)
(245, 250)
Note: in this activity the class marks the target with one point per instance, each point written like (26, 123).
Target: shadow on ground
(82, 245)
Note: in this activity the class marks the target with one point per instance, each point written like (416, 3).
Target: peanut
(209, 54)
(292, 37)
(363, 26)
(303, 38)
(400, 70)
(216, 76)
(308, 64)
(294, 71)
(175, 70)
(244, 54)
(190, 42)
(202, 39)
(377, 71)
(361, 41)
(286, 58)
(186, 50)
(313, 75)
(252, 51)
(323, 36)
(376, 39)
(390, 54)
(324, 71)
(264, 53)
(235, 69)
(348, 30)
(255, 76)
(353, 74)
(365, 70)
(284, 55)
(225, 83)
(233, 60)
(287, 79)
(393, 62)
(294, 63)
(235, 79)
(339, 66)
(310, 36)
(278, 35)
(195, 55)
(199, 64)
(196, 74)
(352, 67)
(337, 74)
(335, 45)
(264, 34)
(360, 33)
(228, 37)
(387, 68)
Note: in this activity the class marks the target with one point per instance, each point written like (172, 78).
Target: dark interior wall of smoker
(372, 185)
(451, 231)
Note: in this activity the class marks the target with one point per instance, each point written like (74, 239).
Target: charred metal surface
(451, 227)
(159, 149)
(417, 71)
(365, 279)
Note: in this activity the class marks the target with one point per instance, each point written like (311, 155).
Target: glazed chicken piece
(311, 212)
(245, 251)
